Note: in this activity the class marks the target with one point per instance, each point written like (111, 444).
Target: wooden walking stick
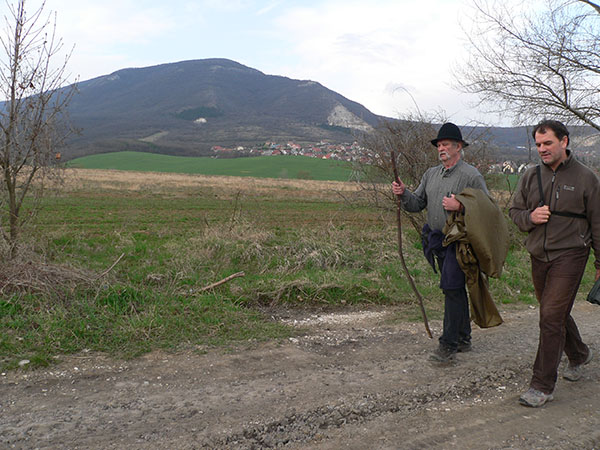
(401, 253)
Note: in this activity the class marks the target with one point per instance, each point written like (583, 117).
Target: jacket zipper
(549, 203)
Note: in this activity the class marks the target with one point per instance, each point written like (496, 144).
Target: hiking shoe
(574, 373)
(464, 346)
(535, 398)
(443, 354)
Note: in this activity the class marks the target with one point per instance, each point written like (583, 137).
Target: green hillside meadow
(295, 167)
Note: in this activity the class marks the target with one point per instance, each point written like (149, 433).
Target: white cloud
(360, 49)
(114, 22)
(222, 5)
(268, 8)
(105, 34)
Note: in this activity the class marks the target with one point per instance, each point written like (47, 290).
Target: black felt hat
(449, 131)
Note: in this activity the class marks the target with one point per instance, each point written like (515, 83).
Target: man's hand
(451, 204)
(540, 215)
(597, 274)
(398, 189)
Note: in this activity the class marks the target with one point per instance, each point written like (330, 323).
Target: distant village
(353, 152)
(323, 150)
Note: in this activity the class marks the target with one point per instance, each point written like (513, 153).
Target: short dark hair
(559, 128)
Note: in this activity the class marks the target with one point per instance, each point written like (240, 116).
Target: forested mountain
(186, 108)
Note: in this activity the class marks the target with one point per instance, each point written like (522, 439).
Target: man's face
(552, 150)
(448, 151)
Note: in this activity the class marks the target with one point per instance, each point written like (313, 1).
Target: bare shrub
(307, 291)
(54, 282)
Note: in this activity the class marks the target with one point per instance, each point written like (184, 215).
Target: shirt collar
(446, 172)
(563, 163)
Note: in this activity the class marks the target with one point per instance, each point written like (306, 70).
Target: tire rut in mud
(302, 427)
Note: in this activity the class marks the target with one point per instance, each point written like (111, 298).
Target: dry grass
(50, 280)
(184, 184)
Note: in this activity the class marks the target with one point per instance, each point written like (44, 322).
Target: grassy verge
(300, 247)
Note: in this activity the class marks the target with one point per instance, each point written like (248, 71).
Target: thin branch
(223, 281)
(401, 253)
(110, 268)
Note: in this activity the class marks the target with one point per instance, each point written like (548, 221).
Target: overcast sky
(374, 52)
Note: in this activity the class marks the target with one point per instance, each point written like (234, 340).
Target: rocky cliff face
(341, 117)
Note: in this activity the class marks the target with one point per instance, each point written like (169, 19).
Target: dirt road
(351, 380)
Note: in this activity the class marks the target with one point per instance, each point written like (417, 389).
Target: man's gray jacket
(436, 183)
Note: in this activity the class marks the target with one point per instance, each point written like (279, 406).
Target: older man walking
(436, 192)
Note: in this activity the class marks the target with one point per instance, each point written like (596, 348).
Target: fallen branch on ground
(111, 267)
(223, 281)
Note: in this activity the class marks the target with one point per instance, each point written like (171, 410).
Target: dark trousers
(457, 321)
(556, 283)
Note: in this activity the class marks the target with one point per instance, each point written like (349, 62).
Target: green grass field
(294, 167)
(299, 244)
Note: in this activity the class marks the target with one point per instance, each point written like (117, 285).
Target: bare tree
(32, 119)
(540, 58)
(410, 138)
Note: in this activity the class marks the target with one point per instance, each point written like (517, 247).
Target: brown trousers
(556, 283)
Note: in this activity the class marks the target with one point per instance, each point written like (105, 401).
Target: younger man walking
(558, 204)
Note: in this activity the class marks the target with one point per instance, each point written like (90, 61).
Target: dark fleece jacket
(572, 188)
